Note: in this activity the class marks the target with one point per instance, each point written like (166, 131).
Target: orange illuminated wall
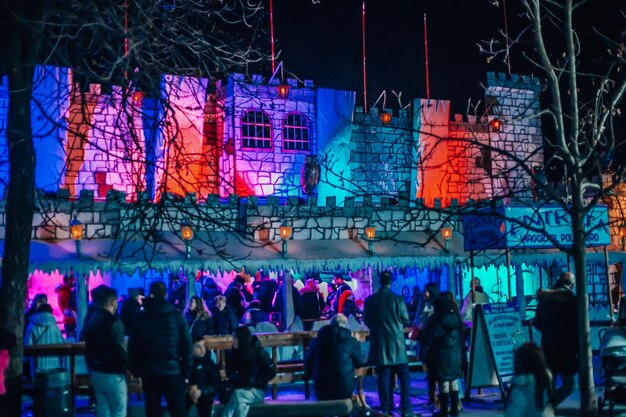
(183, 132)
(212, 147)
(431, 122)
(450, 165)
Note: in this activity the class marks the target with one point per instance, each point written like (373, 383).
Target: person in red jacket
(64, 294)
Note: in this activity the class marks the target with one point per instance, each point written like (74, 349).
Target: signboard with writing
(496, 334)
(557, 223)
(484, 231)
(511, 227)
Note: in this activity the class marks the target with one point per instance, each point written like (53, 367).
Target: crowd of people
(162, 341)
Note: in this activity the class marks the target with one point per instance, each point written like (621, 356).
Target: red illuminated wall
(448, 165)
(433, 170)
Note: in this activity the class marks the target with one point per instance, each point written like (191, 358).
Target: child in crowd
(530, 392)
(204, 380)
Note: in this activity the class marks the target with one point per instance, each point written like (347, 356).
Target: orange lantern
(385, 117)
(496, 125)
(283, 91)
(186, 232)
(285, 231)
(76, 230)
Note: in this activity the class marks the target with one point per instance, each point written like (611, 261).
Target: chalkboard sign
(496, 333)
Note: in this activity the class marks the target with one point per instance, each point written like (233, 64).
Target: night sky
(322, 42)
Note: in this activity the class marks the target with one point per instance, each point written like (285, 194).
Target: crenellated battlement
(521, 82)
(262, 217)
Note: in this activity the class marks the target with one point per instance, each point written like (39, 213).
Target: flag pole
(426, 52)
(364, 61)
(272, 32)
(506, 33)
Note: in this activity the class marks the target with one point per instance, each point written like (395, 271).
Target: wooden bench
(305, 408)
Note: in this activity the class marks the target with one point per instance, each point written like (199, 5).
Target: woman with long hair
(530, 392)
(199, 318)
(249, 368)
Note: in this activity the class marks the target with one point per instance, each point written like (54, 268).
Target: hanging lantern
(283, 91)
(385, 117)
(138, 98)
(76, 230)
(186, 232)
(285, 231)
(496, 125)
(370, 233)
(446, 233)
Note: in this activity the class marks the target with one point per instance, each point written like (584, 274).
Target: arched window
(256, 130)
(296, 132)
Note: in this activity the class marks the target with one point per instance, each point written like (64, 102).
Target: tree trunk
(20, 189)
(587, 389)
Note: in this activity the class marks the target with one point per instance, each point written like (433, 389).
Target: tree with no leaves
(126, 43)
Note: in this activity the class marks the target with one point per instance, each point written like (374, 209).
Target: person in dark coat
(105, 354)
(312, 303)
(386, 317)
(235, 297)
(130, 308)
(224, 317)
(254, 315)
(159, 347)
(94, 306)
(423, 313)
(204, 380)
(442, 339)
(210, 290)
(177, 290)
(266, 293)
(556, 319)
(199, 319)
(249, 368)
(331, 360)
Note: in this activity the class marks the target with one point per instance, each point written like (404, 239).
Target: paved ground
(479, 406)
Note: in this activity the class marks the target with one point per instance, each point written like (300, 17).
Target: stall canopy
(220, 250)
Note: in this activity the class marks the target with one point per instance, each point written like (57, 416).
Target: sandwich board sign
(496, 333)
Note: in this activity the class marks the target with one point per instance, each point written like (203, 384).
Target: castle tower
(514, 101)
(381, 160)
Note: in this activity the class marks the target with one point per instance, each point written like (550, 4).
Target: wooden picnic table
(288, 371)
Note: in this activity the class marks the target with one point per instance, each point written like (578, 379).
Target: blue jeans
(110, 392)
(385, 395)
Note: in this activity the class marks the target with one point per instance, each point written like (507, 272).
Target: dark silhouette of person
(159, 348)
(331, 360)
(557, 320)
